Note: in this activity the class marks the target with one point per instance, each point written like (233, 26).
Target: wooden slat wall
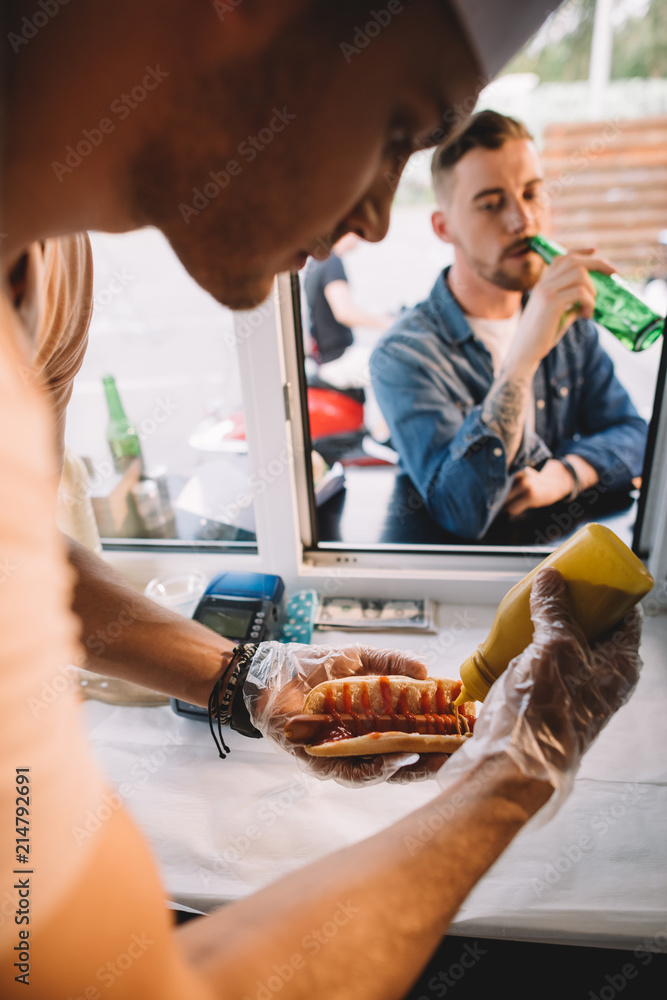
(608, 184)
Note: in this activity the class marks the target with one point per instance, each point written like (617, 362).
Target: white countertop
(596, 874)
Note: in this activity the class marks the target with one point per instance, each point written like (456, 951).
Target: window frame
(456, 573)
(274, 396)
(650, 539)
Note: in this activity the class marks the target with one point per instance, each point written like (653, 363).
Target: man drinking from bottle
(496, 400)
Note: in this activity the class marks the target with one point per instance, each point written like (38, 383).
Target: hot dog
(359, 716)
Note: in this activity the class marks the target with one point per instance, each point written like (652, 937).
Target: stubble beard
(523, 281)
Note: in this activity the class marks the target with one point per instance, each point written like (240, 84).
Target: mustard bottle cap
(463, 697)
(475, 677)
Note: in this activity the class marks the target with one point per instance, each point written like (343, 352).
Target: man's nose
(519, 218)
(370, 216)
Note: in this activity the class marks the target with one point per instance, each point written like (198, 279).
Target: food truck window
(157, 408)
(604, 170)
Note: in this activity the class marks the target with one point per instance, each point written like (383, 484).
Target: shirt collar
(449, 318)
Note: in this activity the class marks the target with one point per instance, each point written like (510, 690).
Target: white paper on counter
(597, 874)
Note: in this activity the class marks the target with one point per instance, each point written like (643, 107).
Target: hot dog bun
(374, 743)
(361, 716)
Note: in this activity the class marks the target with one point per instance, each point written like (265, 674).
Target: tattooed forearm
(504, 411)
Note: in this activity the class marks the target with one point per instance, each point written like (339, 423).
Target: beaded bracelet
(219, 710)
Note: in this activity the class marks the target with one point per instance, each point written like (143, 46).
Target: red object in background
(237, 431)
(332, 412)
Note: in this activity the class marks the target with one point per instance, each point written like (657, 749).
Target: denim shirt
(431, 376)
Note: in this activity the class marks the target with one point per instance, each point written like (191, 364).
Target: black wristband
(576, 482)
(220, 709)
(240, 720)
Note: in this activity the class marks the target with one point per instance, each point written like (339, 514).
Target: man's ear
(440, 227)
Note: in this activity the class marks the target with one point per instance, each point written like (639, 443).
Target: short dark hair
(485, 129)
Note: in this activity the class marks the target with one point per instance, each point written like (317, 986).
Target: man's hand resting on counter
(540, 488)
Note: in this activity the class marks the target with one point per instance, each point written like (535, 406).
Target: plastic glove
(282, 674)
(548, 707)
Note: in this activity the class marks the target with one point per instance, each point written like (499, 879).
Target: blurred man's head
(271, 130)
(489, 188)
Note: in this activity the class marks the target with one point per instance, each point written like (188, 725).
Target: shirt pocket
(565, 390)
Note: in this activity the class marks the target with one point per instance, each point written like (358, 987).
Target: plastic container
(158, 519)
(179, 592)
(604, 580)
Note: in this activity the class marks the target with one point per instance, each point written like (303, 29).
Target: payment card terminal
(244, 607)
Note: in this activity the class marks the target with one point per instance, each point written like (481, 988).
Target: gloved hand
(550, 704)
(282, 674)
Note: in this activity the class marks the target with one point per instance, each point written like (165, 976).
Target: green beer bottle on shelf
(617, 308)
(121, 435)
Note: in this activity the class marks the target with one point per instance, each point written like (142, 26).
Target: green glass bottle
(121, 435)
(617, 308)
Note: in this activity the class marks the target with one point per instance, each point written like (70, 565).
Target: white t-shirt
(497, 336)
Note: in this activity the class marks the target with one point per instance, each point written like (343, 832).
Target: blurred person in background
(333, 313)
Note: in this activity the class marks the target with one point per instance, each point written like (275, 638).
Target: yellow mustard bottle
(604, 580)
